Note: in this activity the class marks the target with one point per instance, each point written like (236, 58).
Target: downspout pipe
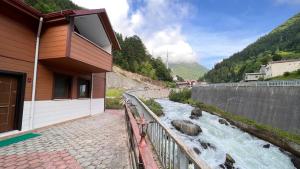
(36, 59)
(92, 88)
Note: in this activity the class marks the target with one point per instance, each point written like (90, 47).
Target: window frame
(69, 86)
(81, 81)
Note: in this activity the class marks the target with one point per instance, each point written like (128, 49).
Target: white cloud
(157, 22)
(171, 41)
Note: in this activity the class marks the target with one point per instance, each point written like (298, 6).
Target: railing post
(183, 162)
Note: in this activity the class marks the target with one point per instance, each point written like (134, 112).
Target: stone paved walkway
(95, 142)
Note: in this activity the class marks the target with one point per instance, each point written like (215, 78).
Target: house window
(84, 88)
(62, 86)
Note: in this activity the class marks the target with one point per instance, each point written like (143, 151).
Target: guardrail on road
(172, 153)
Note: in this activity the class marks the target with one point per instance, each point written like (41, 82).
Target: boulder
(197, 151)
(194, 117)
(223, 121)
(266, 146)
(196, 112)
(207, 145)
(296, 162)
(186, 127)
(229, 161)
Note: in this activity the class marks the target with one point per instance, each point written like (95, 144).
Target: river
(246, 150)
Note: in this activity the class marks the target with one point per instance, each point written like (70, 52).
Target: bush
(298, 71)
(170, 84)
(154, 106)
(182, 96)
(113, 103)
(114, 92)
(286, 74)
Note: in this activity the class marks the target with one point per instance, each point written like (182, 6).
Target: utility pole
(167, 59)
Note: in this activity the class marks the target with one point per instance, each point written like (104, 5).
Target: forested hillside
(282, 43)
(188, 71)
(133, 56)
(47, 6)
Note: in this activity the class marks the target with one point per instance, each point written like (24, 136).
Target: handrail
(274, 83)
(143, 158)
(172, 151)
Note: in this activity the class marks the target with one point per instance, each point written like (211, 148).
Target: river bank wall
(275, 106)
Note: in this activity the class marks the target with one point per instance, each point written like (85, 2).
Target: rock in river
(194, 117)
(296, 161)
(229, 162)
(223, 121)
(266, 146)
(207, 145)
(197, 151)
(196, 112)
(186, 127)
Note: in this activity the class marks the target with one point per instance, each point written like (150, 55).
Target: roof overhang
(65, 15)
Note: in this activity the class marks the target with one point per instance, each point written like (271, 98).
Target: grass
(155, 107)
(114, 92)
(227, 115)
(114, 98)
(288, 76)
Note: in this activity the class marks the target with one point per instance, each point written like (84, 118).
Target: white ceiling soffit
(91, 27)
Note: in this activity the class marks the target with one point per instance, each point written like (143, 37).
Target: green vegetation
(113, 103)
(188, 71)
(47, 6)
(282, 43)
(114, 98)
(135, 58)
(154, 106)
(114, 92)
(181, 96)
(170, 84)
(288, 76)
(176, 96)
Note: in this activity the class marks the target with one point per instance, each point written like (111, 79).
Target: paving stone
(96, 142)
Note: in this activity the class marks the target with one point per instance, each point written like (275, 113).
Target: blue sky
(205, 31)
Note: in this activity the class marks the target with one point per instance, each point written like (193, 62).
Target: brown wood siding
(54, 41)
(14, 65)
(17, 39)
(86, 52)
(99, 85)
(44, 83)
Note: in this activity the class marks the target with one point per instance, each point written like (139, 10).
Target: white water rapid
(246, 150)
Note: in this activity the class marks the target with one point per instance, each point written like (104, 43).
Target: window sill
(61, 99)
(84, 98)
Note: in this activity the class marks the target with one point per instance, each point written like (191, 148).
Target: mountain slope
(47, 6)
(281, 43)
(188, 71)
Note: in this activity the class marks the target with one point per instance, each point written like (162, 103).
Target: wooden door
(8, 98)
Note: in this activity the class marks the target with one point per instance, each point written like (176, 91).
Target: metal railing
(279, 83)
(140, 155)
(172, 153)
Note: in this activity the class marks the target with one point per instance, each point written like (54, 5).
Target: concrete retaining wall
(275, 106)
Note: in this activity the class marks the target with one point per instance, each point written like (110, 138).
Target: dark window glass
(62, 86)
(83, 88)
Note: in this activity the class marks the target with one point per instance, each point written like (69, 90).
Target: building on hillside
(253, 76)
(278, 68)
(53, 66)
(273, 69)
